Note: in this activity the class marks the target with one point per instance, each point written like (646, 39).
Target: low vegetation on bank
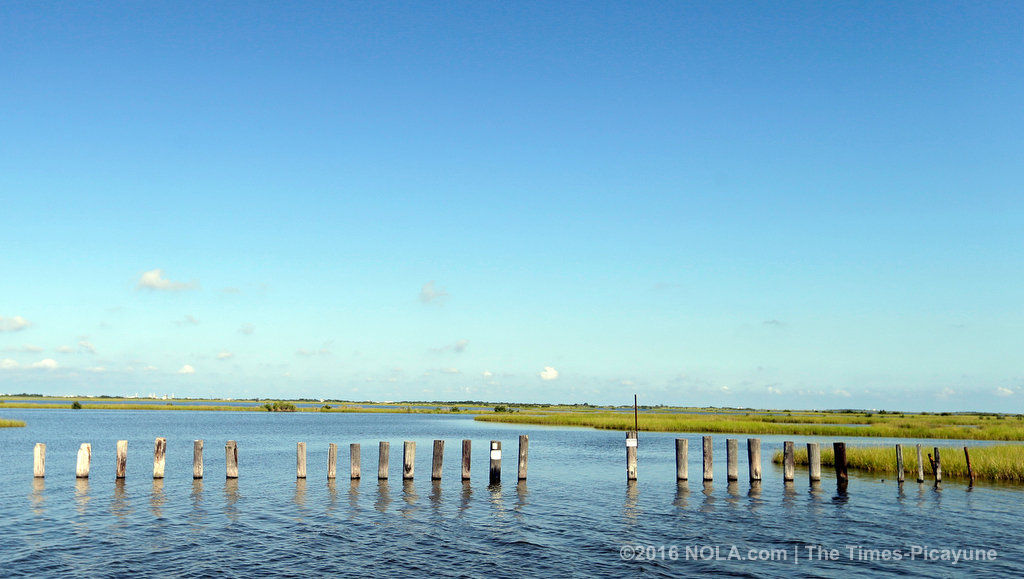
(5, 423)
(998, 462)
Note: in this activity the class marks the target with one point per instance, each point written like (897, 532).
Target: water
(574, 516)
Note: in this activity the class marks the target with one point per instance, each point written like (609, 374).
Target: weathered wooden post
(121, 459)
(332, 461)
(354, 459)
(231, 459)
(682, 449)
(438, 460)
(495, 462)
(707, 459)
(732, 460)
(970, 471)
(300, 460)
(788, 461)
(159, 456)
(899, 463)
(197, 459)
(754, 458)
(524, 455)
(920, 465)
(466, 448)
(408, 459)
(813, 462)
(631, 447)
(383, 455)
(39, 460)
(842, 478)
(84, 457)
(938, 467)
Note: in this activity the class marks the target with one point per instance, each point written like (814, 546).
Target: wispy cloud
(231, 290)
(247, 329)
(430, 294)
(450, 371)
(945, 392)
(188, 320)
(15, 324)
(548, 373)
(324, 350)
(64, 349)
(458, 347)
(25, 348)
(154, 280)
(225, 355)
(86, 346)
(842, 393)
(1000, 391)
(774, 323)
(8, 364)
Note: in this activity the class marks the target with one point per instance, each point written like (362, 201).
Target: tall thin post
(707, 458)
(970, 471)
(121, 459)
(466, 449)
(524, 453)
(332, 461)
(788, 461)
(938, 467)
(682, 469)
(813, 462)
(84, 458)
(754, 458)
(197, 459)
(383, 455)
(636, 420)
(159, 457)
(495, 462)
(438, 460)
(354, 456)
(920, 465)
(39, 460)
(842, 478)
(408, 459)
(631, 447)
(899, 463)
(732, 461)
(300, 460)
(231, 459)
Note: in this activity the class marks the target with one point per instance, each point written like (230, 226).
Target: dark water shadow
(198, 514)
(631, 507)
(497, 501)
(119, 505)
(708, 504)
(522, 496)
(410, 497)
(732, 494)
(231, 497)
(682, 497)
(299, 499)
(37, 498)
(788, 495)
(383, 495)
(435, 495)
(465, 497)
(157, 498)
(353, 498)
(332, 496)
(754, 499)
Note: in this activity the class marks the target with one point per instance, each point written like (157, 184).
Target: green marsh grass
(5, 423)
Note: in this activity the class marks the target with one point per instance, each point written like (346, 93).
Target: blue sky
(748, 204)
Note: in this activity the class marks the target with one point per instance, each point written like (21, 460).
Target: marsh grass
(5, 423)
(998, 462)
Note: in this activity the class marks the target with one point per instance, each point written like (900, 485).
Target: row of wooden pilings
(788, 460)
(84, 461)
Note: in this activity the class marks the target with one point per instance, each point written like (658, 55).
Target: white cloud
(431, 295)
(946, 392)
(487, 374)
(65, 349)
(149, 368)
(45, 364)
(187, 369)
(225, 355)
(1000, 391)
(15, 324)
(247, 329)
(26, 348)
(450, 370)
(154, 280)
(724, 389)
(8, 364)
(774, 390)
(548, 373)
(97, 369)
(87, 346)
(842, 393)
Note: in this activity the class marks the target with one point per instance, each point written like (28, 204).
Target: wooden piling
(197, 459)
(920, 465)
(524, 453)
(707, 459)
(332, 461)
(970, 471)
(408, 459)
(383, 455)
(159, 457)
(631, 447)
(842, 477)
(788, 461)
(438, 460)
(466, 449)
(495, 477)
(938, 467)
(732, 460)
(300, 460)
(754, 458)
(899, 464)
(813, 462)
(682, 449)
(121, 459)
(354, 460)
(39, 460)
(84, 458)
(231, 459)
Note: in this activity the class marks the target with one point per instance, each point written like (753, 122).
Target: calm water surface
(573, 516)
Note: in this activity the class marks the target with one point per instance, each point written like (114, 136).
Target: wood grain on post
(300, 460)
(938, 466)
(842, 477)
(813, 462)
(437, 461)
(754, 458)
(84, 458)
(121, 459)
(707, 458)
(920, 465)
(332, 461)
(39, 460)
(383, 456)
(970, 471)
(408, 460)
(354, 461)
(159, 457)
(732, 460)
(899, 463)
(466, 451)
(524, 455)
(197, 459)
(631, 448)
(788, 461)
(682, 449)
(495, 477)
(231, 459)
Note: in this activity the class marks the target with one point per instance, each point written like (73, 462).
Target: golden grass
(5, 423)
(998, 462)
